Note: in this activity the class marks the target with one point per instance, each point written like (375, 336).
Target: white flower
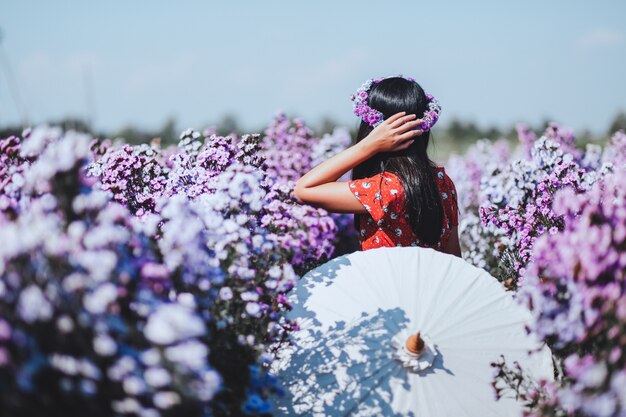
(67, 364)
(166, 399)
(257, 241)
(171, 323)
(126, 406)
(38, 138)
(192, 354)
(32, 305)
(65, 324)
(595, 376)
(249, 296)
(253, 309)
(187, 299)
(97, 301)
(211, 381)
(274, 271)
(100, 263)
(104, 345)
(123, 366)
(133, 385)
(151, 357)
(226, 293)
(89, 369)
(157, 377)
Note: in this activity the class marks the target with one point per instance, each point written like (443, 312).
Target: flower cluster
(374, 117)
(554, 227)
(512, 194)
(526, 213)
(290, 150)
(287, 148)
(576, 289)
(361, 107)
(138, 280)
(480, 243)
(90, 322)
(432, 114)
(12, 166)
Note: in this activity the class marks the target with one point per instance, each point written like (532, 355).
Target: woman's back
(386, 222)
(402, 197)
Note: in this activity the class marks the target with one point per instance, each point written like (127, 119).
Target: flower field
(549, 221)
(150, 281)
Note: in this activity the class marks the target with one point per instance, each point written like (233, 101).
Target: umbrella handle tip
(415, 343)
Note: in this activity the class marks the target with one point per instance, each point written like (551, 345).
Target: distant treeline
(456, 130)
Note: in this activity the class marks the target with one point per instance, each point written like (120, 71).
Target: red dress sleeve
(454, 212)
(381, 195)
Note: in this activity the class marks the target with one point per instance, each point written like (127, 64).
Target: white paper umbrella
(356, 313)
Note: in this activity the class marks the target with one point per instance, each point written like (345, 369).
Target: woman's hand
(393, 134)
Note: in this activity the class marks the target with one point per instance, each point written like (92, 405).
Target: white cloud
(601, 38)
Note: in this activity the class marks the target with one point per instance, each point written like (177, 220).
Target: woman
(399, 196)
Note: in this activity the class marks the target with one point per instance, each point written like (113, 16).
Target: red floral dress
(386, 223)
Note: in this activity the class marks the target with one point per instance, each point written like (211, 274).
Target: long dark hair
(412, 165)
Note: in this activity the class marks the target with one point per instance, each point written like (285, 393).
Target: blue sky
(140, 62)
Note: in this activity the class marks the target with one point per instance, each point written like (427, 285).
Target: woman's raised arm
(319, 186)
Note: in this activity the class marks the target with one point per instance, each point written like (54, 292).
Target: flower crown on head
(373, 117)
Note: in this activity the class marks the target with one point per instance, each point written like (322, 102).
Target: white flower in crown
(393, 192)
(394, 215)
(366, 185)
(377, 196)
(399, 232)
(356, 193)
(385, 208)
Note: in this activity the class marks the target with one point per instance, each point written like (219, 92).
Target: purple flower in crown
(373, 117)
(361, 109)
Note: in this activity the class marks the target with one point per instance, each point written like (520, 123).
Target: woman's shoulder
(389, 176)
(384, 178)
(442, 174)
(385, 183)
